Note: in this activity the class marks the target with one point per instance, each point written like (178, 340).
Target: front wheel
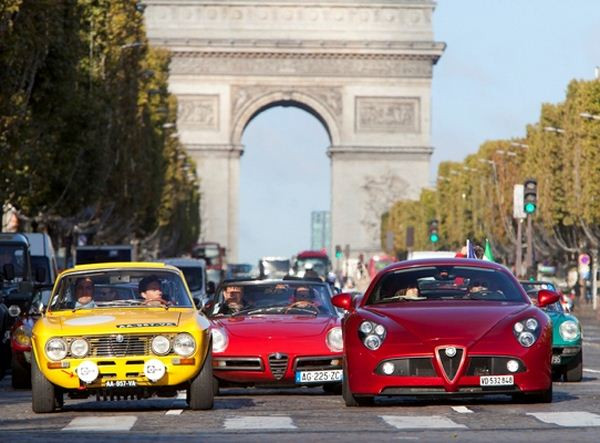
(43, 393)
(350, 399)
(574, 371)
(201, 394)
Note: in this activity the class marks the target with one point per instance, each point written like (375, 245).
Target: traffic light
(530, 196)
(338, 251)
(434, 236)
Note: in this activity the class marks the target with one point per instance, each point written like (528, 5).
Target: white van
(42, 255)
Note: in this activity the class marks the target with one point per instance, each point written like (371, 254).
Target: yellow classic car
(121, 330)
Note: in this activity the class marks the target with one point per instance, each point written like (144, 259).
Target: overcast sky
(503, 60)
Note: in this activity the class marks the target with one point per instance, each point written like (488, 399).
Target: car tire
(20, 374)
(350, 399)
(216, 386)
(574, 371)
(43, 393)
(333, 388)
(200, 393)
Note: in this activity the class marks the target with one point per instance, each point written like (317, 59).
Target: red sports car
(276, 332)
(446, 327)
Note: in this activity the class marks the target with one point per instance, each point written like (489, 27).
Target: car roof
(119, 265)
(183, 261)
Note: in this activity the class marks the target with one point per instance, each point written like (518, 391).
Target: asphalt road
(308, 414)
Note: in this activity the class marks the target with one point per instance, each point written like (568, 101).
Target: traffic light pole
(529, 257)
(594, 278)
(519, 251)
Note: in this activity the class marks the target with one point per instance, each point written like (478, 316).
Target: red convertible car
(446, 327)
(277, 333)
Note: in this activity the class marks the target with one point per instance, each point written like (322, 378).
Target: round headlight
(531, 324)
(380, 330)
(161, 345)
(366, 327)
(569, 330)
(519, 327)
(14, 310)
(527, 339)
(334, 339)
(373, 342)
(219, 340)
(184, 344)
(388, 368)
(56, 349)
(79, 348)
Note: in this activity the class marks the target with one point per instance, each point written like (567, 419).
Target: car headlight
(56, 349)
(184, 344)
(526, 332)
(372, 334)
(161, 345)
(334, 340)
(219, 340)
(79, 348)
(21, 337)
(14, 310)
(569, 330)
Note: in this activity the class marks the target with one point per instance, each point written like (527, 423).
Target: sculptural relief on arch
(362, 68)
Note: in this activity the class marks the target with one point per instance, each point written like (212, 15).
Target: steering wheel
(302, 305)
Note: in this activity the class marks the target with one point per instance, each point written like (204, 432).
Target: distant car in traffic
(239, 271)
(194, 270)
(444, 327)
(379, 262)
(567, 337)
(276, 333)
(273, 267)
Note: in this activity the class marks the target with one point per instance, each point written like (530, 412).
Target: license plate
(555, 360)
(120, 384)
(496, 380)
(319, 376)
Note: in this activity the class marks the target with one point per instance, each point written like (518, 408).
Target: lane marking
(568, 419)
(174, 412)
(104, 423)
(462, 409)
(259, 423)
(421, 422)
(593, 371)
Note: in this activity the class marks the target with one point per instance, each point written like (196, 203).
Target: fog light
(335, 362)
(87, 371)
(512, 365)
(154, 369)
(388, 368)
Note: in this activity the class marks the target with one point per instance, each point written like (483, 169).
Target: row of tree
(86, 126)
(474, 198)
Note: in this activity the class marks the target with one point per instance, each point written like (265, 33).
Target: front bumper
(563, 356)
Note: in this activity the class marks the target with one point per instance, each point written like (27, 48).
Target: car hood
(123, 321)
(275, 326)
(463, 322)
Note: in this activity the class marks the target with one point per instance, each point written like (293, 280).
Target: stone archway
(362, 67)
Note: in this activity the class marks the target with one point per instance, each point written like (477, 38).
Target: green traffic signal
(338, 254)
(434, 237)
(529, 208)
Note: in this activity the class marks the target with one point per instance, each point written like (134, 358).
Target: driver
(151, 291)
(233, 300)
(84, 293)
(304, 298)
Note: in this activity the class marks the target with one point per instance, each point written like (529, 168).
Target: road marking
(568, 419)
(174, 412)
(421, 422)
(259, 423)
(593, 371)
(462, 409)
(104, 423)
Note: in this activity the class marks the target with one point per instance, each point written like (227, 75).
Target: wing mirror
(343, 301)
(40, 274)
(546, 297)
(9, 271)
(210, 287)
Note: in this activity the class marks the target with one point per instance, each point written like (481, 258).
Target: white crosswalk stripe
(462, 409)
(568, 419)
(102, 424)
(419, 422)
(258, 422)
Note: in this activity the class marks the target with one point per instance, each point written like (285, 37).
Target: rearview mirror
(9, 271)
(40, 274)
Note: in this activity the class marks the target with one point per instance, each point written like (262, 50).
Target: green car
(567, 353)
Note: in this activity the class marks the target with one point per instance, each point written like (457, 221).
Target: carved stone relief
(387, 114)
(199, 111)
(296, 65)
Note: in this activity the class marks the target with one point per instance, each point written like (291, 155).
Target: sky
(504, 58)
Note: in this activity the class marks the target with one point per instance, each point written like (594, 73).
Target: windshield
(193, 277)
(122, 288)
(17, 256)
(240, 269)
(297, 298)
(445, 283)
(532, 289)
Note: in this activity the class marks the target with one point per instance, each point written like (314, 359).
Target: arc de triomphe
(363, 68)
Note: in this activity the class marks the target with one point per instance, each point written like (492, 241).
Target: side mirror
(9, 271)
(343, 301)
(197, 303)
(546, 297)
(210, 287)
(40, 274)
(208, 307)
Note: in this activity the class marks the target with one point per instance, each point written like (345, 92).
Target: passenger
(410, 292)
(151, 291)
(84, 294)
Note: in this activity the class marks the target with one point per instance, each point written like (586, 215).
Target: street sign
(518, 199)
(584, 259)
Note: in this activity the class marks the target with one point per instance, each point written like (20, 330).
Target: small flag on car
(470, 249)
(488, 254)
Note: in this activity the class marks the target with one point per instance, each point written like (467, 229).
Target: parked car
(446, 327)
(567, 335)
(156, 343)
(276, 333)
